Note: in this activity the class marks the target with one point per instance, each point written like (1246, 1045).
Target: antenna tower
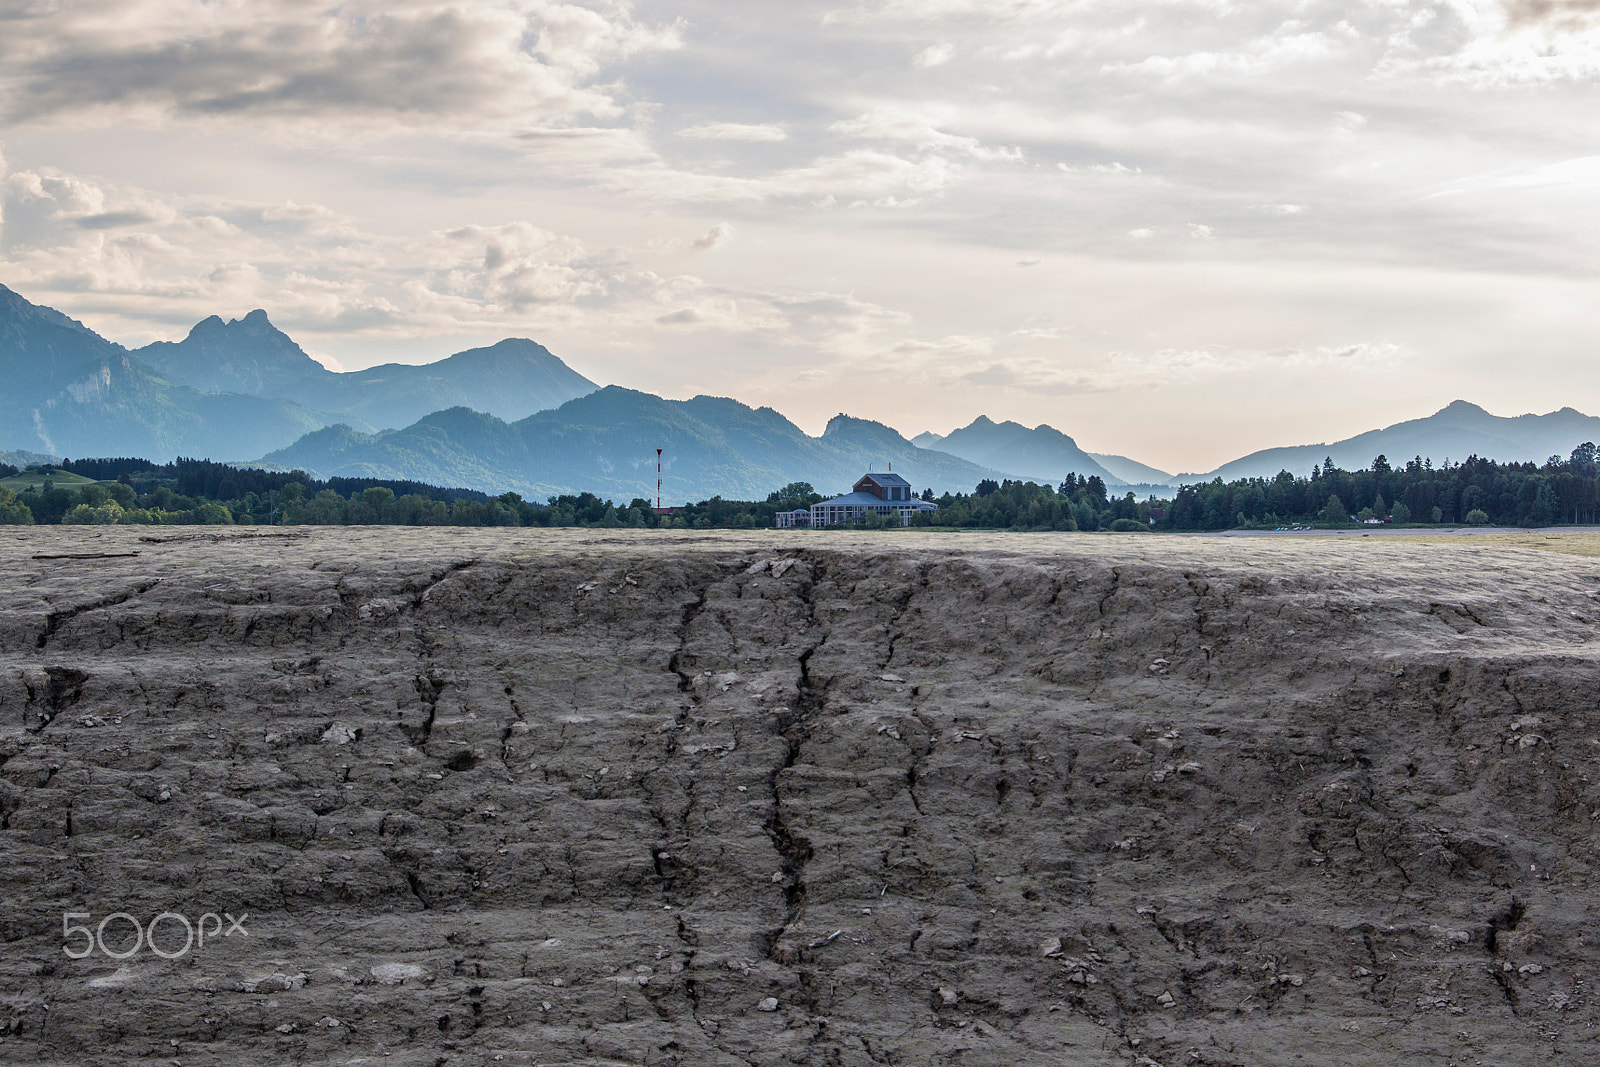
(658, 479)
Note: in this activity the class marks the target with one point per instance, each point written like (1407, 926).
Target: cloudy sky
(1175, 229)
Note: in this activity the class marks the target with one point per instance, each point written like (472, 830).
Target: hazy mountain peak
(862, 430)
(1454, 432)
(17, 311)
(1043, 453)
(248, 355)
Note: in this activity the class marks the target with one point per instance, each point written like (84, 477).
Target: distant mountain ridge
(1042, 454)
(1131, 471)
(233, 390)
(1454, 432)
(605, 443)
(510, 379)
(68, 390)
(249, 356)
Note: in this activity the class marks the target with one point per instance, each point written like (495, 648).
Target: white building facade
(873, 494)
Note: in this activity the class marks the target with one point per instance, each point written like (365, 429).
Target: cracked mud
(534, 797)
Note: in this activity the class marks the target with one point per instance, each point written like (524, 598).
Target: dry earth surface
(533, 797)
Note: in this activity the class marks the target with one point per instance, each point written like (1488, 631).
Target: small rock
(1051, 947)
(338, 734)
(1529, 740)
(768, 1004)
(330, 1022)
(1166, 1000)
(275, 982)
(948, 996)
(121, 976)
(396, 973)
(1530, 968)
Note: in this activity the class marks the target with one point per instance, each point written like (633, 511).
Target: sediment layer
(534, 797)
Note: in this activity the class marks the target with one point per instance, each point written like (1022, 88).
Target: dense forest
(1477, 491)
(1474, 492)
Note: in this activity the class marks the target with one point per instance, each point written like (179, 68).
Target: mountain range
(252, 357)
(68, 390)
(1040, 454)
(1454, 432)
(513, 416)
(233, 390)
(605, 443)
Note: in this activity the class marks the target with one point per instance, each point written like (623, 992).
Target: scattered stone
(768, 1004)
(339, 734)
(396, 973)
(272, 982)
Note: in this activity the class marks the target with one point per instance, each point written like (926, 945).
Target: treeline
(1076, 504)
(220, 481)
(1476, 491)
(201, 492)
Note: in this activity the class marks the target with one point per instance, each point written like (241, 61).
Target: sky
(1178, 230)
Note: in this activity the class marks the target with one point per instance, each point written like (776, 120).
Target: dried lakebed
(531, 797)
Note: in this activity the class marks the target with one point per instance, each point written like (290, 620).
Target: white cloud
(606, 145)
(1113, 169)
(935, 55)
(1582, 175)
(718, 235)
(734, 131)
(860, 176)
(891, 123)
(1169, 366)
